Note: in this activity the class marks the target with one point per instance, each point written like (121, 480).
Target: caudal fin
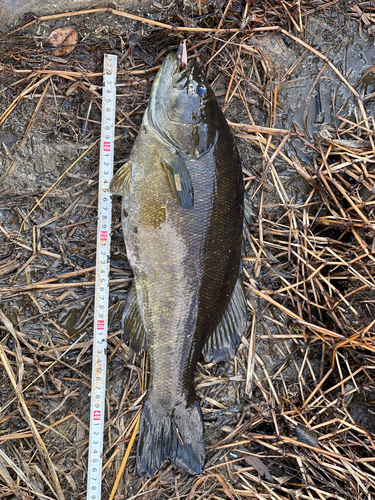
(176, 434)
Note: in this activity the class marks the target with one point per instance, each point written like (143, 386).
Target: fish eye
(201, 91)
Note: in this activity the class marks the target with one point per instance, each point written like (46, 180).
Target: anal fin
(221, 345)
(134, 332)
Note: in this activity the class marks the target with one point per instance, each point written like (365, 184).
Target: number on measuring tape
(98, 378)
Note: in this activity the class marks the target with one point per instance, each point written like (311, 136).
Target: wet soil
(54, 318)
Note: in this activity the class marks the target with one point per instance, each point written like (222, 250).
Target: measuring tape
(103, 243)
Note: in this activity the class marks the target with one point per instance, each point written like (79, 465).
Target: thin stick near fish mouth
(182, 55)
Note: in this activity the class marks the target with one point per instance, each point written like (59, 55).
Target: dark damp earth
(308, 258)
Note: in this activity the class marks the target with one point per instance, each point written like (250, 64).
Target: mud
(65, 224)
(13, 11)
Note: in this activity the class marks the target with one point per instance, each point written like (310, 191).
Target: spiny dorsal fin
(120, 184)
(179, 180)
(221, 345)
(134, 333)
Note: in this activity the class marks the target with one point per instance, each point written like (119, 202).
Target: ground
(290, 418)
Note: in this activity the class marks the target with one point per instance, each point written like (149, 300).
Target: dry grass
(282, 420)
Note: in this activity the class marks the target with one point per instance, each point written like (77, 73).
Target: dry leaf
(56, 382)
(72, 89)
(306, 435)
(259, 466)
(64, 39)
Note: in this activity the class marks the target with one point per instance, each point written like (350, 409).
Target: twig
(125, 459)
(145, 20)
(325, 59)
(56, 182)
(38, 440)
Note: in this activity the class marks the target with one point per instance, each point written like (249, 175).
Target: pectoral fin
(221, 345)
(120, 184)
(179, 180)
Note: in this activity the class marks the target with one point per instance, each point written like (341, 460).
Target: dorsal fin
(221, 345)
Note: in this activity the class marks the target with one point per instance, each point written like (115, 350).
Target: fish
(182, 220)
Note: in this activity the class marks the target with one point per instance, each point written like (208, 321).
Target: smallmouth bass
(182, 217)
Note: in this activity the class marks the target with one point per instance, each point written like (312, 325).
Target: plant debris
(64, 38)
(291, 417)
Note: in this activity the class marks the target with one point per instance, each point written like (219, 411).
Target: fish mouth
(170, 76)
(172, 70)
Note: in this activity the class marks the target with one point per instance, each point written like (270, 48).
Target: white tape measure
(103, 243)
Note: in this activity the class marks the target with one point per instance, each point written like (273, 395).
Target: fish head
(183, 108)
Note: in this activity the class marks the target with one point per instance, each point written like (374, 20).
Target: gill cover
(176, 113)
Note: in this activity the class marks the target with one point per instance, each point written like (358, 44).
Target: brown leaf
(64, 39)
(259, 466)
(56, 382)
(72, 89)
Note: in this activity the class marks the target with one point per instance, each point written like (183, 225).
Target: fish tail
(175, 433)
